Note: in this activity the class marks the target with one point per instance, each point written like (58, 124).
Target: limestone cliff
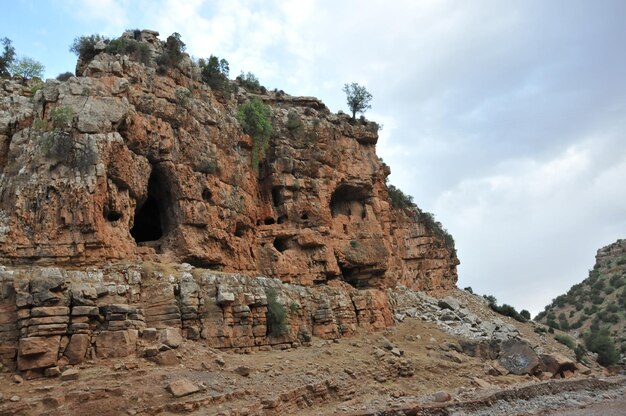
(122, 162)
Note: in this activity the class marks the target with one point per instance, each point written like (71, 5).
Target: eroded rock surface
(156, 167)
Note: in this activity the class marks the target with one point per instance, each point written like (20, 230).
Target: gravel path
(611, 402)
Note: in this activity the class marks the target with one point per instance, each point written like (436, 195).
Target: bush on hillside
(139, 51)
(276, 315)
(64, 76)
(172, 54)
(85, 46)
(600, 343)
(214, 71)
(254, 117)
(565, 340)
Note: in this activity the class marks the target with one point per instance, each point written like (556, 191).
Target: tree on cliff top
(28, 68)
(7, 57)
(358, 98)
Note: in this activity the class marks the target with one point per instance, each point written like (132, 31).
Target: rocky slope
(121, 162)
(447, 356)
(599, 300)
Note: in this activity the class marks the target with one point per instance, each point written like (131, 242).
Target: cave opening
(281, 243)
(350, 199)
(151, 221)
(277, 196)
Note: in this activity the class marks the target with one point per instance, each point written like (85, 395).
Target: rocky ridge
(598, 301)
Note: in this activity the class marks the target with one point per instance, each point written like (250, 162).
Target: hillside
(598, 302)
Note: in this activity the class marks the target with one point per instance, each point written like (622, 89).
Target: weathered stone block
(37, 352)
(116, 344)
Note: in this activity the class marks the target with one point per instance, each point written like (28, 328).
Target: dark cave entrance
(350, 200)
(151, 220)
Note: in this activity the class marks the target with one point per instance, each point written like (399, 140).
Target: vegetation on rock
(254, 117)
(7, 57)
(214, 71)
(357, 97)
(27, 67)
(276, 315)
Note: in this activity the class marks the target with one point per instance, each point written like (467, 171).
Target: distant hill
(598, 302)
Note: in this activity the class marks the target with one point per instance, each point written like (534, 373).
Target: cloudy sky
(507, 119)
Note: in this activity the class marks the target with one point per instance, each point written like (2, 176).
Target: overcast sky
(507, 119)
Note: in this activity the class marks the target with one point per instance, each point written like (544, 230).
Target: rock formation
(111, 178)
(123, 163)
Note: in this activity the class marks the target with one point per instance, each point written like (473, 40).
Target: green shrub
(565, 340)
(7, 57)
(507, 310)
(276, 315)
(600, 343)
(85, 46)
(250, 83)
(469, 289)
(172, 55)
(524, 313)
(552, 324)
(399, 200)
(139, 51)
(580, 352)
(27, 68)
(214, 71)
(254, 117)
(294, 124)
(61, 117)
(64, 76)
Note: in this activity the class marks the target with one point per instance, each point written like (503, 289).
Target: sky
(507, 119)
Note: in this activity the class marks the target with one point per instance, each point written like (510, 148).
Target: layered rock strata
(53, 317)
(121, 162)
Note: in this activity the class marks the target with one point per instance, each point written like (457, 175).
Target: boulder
(518, 357)
(116, 344)
(442, 396)
(166, 358)
(557, 363)
(170, 337)
(449, 303)
(38, 352)
(76, 350)
(70, 374)
(182, 387)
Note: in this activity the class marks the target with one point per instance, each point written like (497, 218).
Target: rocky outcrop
(60, 317)
(124, 163)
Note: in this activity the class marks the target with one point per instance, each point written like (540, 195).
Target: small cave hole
(240, 229)
(282, 219)
(207, 195)
(277, 196)
(304, 216)
(281, 243)
(269, 221)
(111, 215)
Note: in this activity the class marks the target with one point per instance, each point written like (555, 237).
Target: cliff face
(123, 163)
